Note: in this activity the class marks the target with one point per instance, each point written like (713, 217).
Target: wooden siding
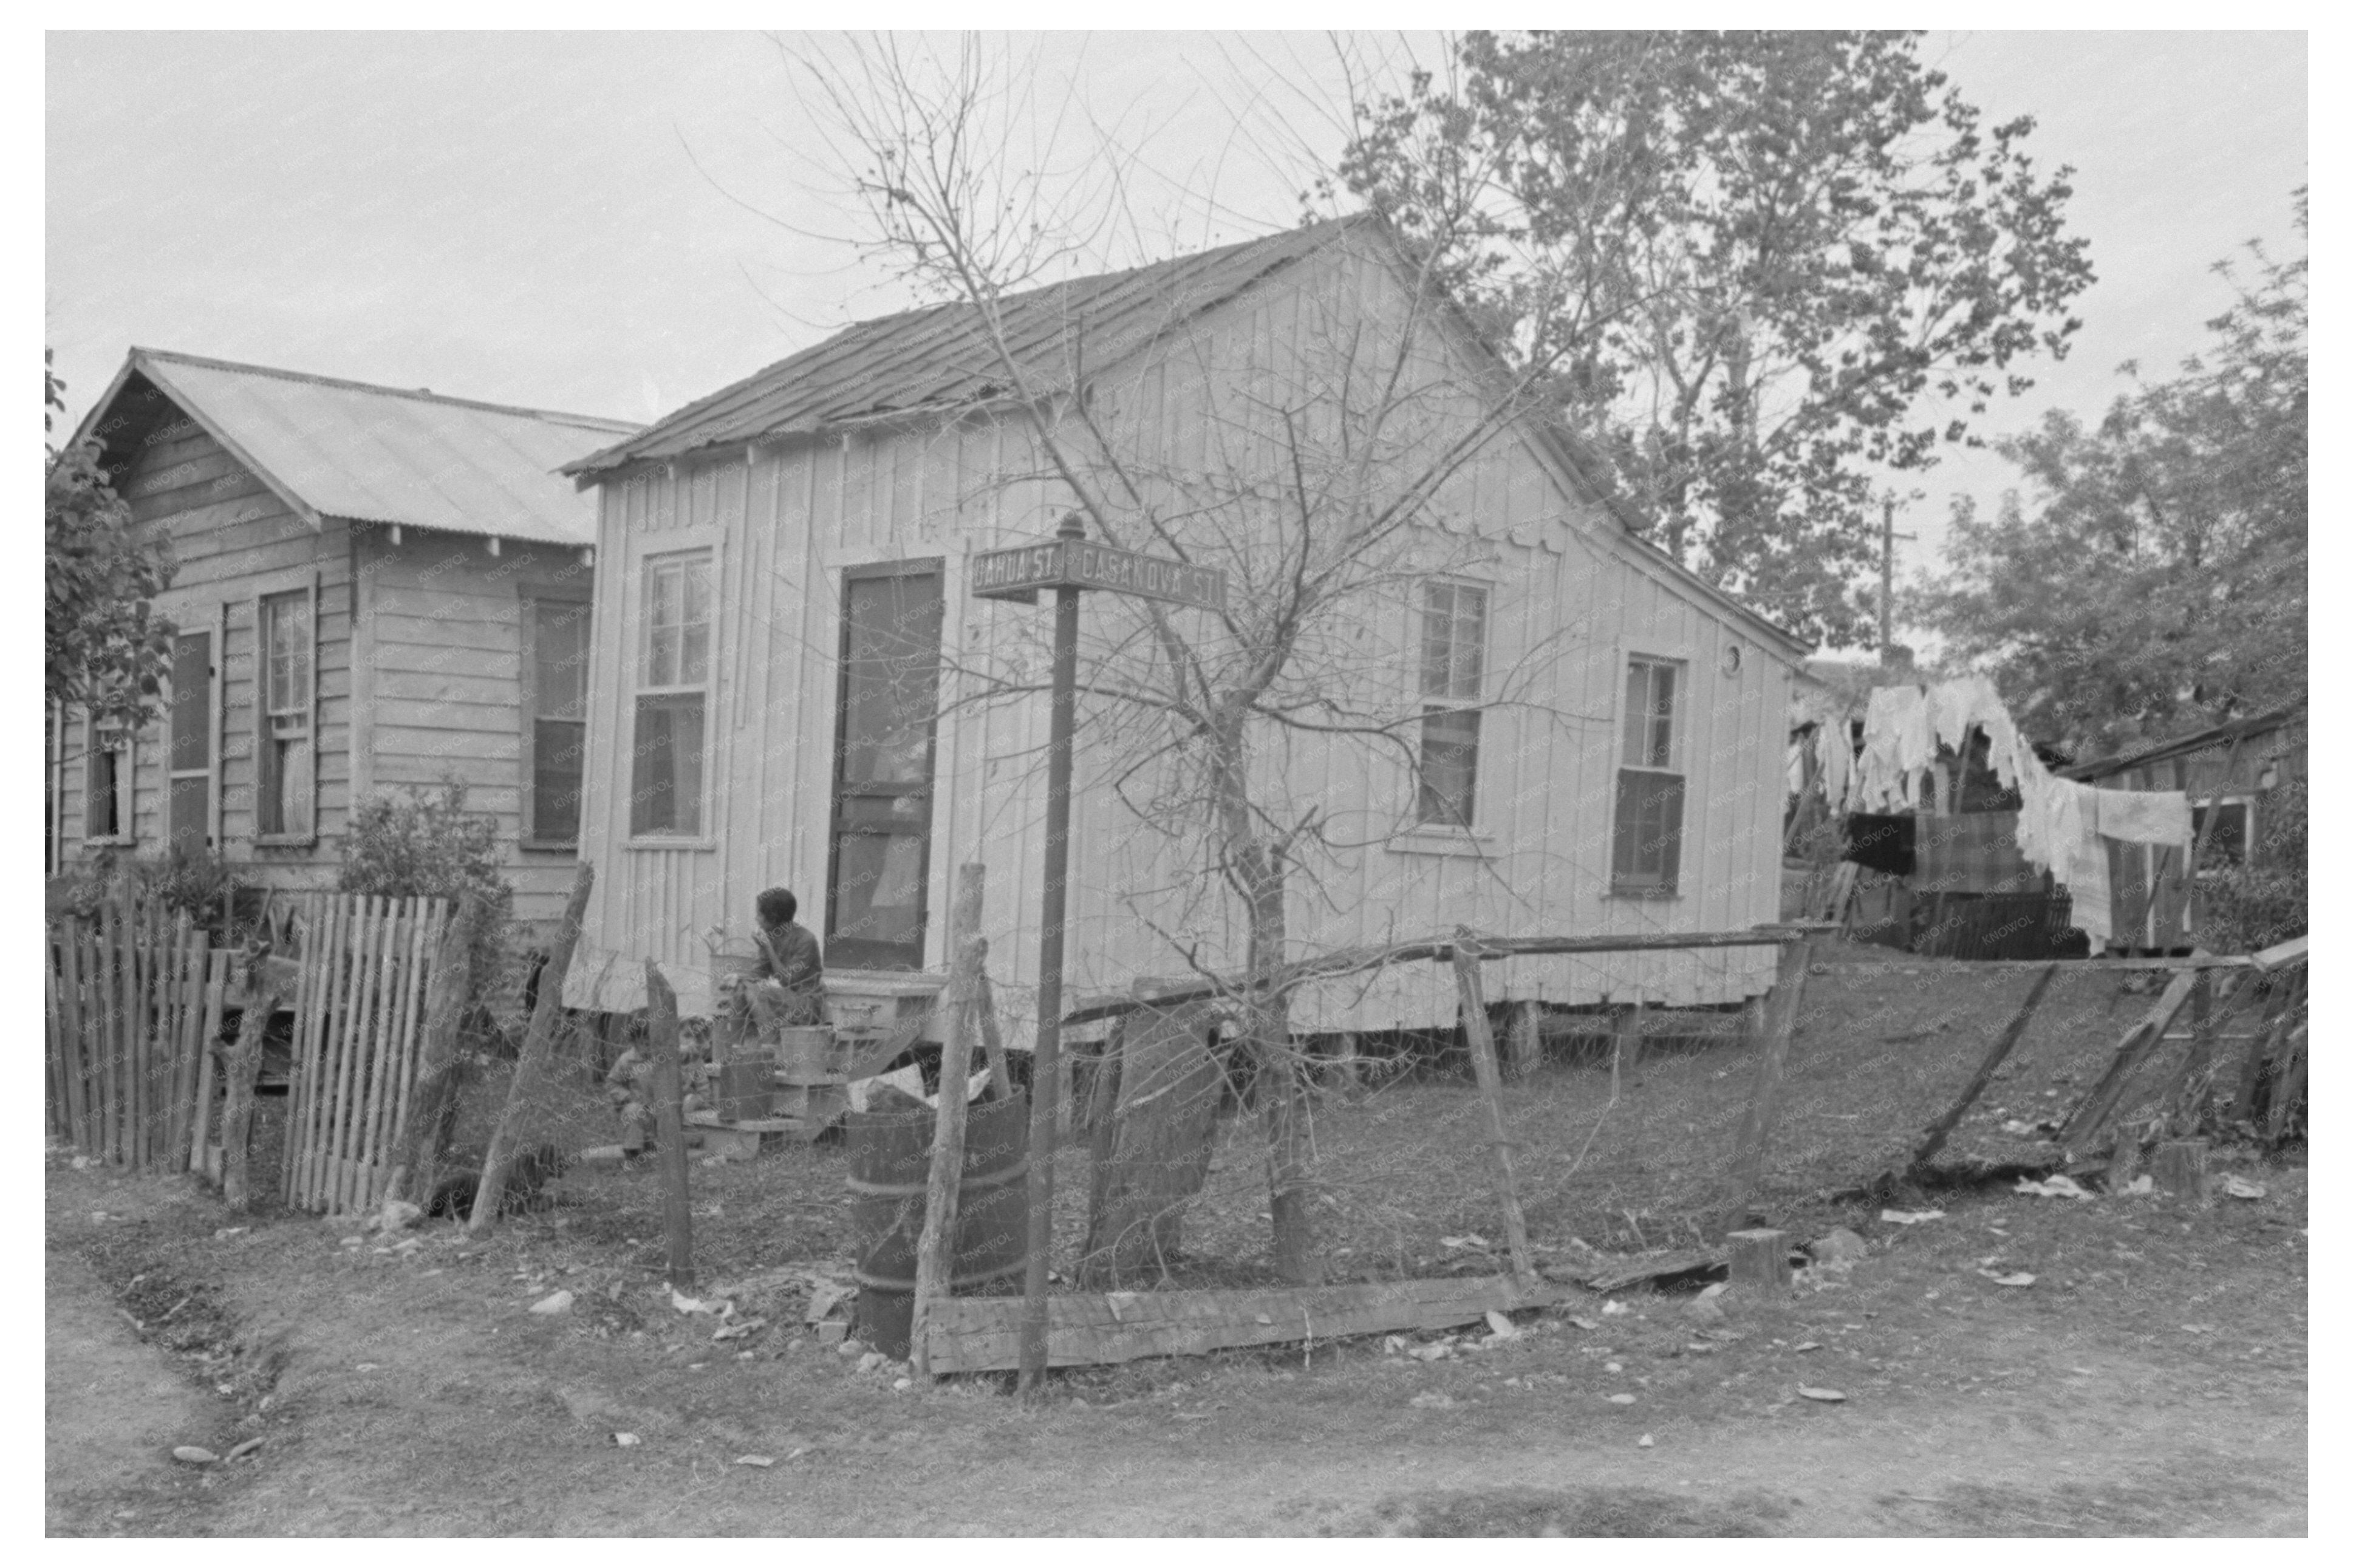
(1570, 598)
(441, 618)
(434, 680)
(233, 541)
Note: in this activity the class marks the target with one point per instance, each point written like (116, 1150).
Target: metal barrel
(890, 1169)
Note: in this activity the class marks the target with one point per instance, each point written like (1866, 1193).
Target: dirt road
(2152, 1383)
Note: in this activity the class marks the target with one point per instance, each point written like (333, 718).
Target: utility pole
(1887, 538)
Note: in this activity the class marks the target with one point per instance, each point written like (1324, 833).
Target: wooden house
(2228, 769)
(374, 587)
(794, 684)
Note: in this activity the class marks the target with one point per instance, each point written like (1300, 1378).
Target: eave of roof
(330, 447)
(2186, 745)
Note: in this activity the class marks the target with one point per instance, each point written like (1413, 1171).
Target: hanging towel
(2076, 824)
(2146, 817)
(1834, 761)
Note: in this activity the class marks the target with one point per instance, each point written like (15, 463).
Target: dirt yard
(2150, 1380)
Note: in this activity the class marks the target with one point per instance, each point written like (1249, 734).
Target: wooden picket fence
(133, 999)
(359, 1019)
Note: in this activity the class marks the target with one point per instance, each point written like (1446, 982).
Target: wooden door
(880, 859)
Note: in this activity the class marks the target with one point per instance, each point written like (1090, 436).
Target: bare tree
(1312, 464)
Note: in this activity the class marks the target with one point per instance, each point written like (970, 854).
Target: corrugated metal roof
(2186, 745)
(380, 454)
(941, 357)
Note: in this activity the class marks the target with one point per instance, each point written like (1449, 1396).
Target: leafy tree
(1762, 265)
(2156, 581)
(107, 649)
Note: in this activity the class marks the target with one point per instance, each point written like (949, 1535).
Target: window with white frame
(288, 647)
(1647, 851)
(108, 769)
(1453, 661)
(556, 717)
(673, 689)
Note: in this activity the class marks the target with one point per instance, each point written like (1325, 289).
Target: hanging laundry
(1834, 761)
(1896, 746)
(2086, 870)
(2146, 817)
(1879, 841)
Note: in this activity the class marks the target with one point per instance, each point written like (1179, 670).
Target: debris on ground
(760, 1461)
(552, 1305)
(1621, 1399)
(249, 1445)
(1501, 1327)
(2017, 1281)
(189, 1454)
(1644, 1441)
(1433, 1401)
(625, 1439)
(1822, 1395)
(2052, 1187)
(1840, 1248)
(1898, 1217)
(2239, 1187)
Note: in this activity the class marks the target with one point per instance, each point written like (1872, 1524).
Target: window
(673, 681)
(109, 765)
(1454, 656)
(555, 717)
(1648, 839)
(2227, 845)
(287, 774)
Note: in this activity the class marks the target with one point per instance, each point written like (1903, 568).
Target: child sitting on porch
(787, 986)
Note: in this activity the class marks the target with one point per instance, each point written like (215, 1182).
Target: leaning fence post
(669, 1090)
(1490, 1093)
(538, 1044)
(244, 1066)
(1765, 1095)
(934, 1249)
(445, 1004)
(1942, 1128)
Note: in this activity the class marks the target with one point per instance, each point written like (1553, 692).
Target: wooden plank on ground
(982, 1333)
(1604, 1273)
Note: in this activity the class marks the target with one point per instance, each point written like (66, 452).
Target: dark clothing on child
(791, 958)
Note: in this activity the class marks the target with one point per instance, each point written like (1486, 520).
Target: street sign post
(1017, 574)
(1068, 565)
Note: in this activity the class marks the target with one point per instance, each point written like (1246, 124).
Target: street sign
(1017, 574)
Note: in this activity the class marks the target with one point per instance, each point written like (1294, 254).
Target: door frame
(934, 566)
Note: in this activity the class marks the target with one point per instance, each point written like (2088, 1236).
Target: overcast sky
(614, 223)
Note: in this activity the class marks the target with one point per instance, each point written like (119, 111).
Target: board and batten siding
(1570, 599)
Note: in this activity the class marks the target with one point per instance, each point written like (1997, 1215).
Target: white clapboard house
(793, 685)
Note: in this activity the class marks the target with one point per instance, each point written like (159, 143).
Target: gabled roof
(2186, 745)
(940, 357)
(376, 454)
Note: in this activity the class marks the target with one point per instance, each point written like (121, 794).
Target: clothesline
(2061, 824)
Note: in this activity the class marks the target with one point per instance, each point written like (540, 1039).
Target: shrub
(2263, 902)
(424, 843)
(196, 883)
